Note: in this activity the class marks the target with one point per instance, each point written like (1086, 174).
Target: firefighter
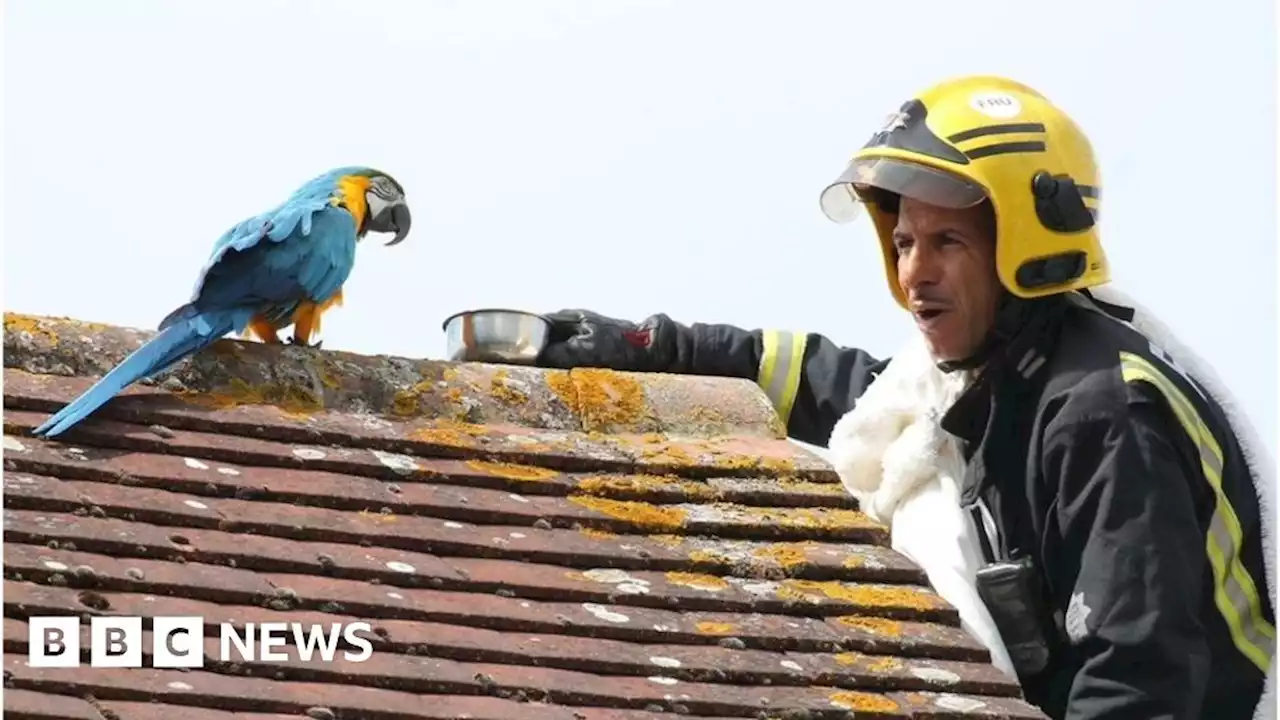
(1116, 494)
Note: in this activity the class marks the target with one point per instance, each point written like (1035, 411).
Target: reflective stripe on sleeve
(1235, 592)
(780, 367)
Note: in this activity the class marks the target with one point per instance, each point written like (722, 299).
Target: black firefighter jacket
(1095, 456)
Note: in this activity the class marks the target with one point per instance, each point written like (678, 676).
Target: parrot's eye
(384, 188)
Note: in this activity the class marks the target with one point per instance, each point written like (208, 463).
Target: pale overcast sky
(631, 156)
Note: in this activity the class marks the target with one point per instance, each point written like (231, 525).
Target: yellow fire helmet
(976, 138)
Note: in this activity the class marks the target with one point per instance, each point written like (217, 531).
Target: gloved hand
(581, 338)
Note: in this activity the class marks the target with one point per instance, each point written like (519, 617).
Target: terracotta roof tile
(526, 544)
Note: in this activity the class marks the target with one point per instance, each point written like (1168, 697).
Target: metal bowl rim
(526, 313)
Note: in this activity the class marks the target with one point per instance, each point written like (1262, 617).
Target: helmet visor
(841, 200)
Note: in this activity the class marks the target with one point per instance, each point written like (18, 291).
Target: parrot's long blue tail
(184, 333)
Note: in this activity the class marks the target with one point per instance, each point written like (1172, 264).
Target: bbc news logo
(179, 642)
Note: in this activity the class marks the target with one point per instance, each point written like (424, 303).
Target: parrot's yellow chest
(351, 195)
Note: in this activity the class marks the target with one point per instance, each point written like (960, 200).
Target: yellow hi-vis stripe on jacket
(780, 367)
(1235, 592)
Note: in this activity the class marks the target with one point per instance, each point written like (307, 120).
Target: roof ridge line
(306, 381)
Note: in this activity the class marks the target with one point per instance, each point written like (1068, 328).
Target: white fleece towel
(893, 456)
(905, 470)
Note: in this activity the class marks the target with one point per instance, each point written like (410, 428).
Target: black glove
(581, 338)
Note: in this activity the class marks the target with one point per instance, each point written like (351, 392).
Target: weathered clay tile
(29, 705)
(583, 545)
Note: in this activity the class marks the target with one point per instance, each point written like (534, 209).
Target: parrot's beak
(400, 222)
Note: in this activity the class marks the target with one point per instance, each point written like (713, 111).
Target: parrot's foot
(314, 346)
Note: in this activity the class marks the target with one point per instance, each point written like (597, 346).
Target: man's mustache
(928, 299)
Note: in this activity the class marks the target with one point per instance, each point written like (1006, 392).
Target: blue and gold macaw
(283, 267)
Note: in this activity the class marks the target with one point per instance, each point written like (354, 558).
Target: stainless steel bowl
(496, 336)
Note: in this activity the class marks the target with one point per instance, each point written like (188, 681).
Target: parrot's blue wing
(292, 219)
(274, 225)
(275, 275)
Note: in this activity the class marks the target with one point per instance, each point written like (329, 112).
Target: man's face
(947, 269)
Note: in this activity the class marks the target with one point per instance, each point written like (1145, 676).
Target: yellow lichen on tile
(501, 388)
(443, 436)
(733, 461)
(868, 596)
(863, 702)
(666, 453)
(451, 433)
(644, 515)
(800, 485)
(605, 484)
(699, 581)
(405, 402)
(777, 428)
(708, 627)
(707, 556)
(513, 471)
(847, 659)
(325, 371)
(561, 385)
(705, 415)
(291, 399)
(873, 625)
(595, 534)
(810, 518)
(779, 465)
(884, 665)
(600, 397)
(17, 323)
(668, 541)
(785, 555)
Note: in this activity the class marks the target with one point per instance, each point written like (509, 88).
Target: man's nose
(918, 267)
